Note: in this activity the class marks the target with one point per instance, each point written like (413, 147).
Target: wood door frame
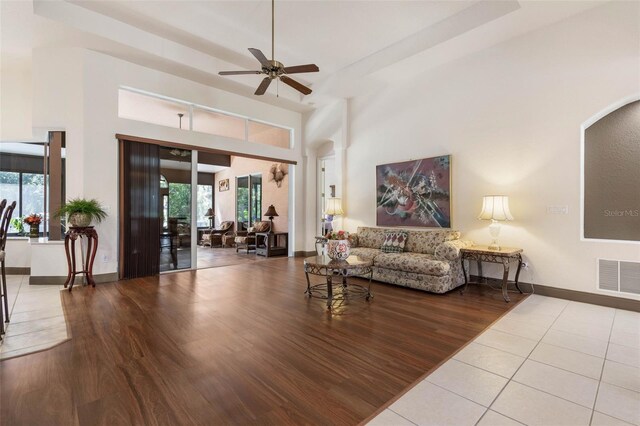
(200, 148)
(121, 138)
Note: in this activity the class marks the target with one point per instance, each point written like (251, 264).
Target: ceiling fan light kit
(274, 69)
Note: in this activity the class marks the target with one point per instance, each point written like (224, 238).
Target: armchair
(214, 236)
(247, 239)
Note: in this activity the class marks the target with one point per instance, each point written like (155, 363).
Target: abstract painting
(414, 193)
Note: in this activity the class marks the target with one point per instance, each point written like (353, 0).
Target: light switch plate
(557, 209)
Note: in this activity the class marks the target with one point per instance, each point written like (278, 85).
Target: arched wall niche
(611, 174)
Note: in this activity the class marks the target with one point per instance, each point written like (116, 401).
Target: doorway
(175, 209)
(171, 195)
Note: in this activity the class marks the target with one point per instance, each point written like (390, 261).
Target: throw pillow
(394, 241)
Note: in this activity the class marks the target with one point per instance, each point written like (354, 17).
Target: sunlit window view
(22, 179)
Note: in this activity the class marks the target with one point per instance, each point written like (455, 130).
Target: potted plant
(18, 225)
(338, 245)
(33, 220)
(81, 212)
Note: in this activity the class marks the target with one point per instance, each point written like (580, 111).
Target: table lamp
(271, 213)
(496, 209)
(210, 215)
(334, 207)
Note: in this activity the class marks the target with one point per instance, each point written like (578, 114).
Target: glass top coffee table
(353, 266)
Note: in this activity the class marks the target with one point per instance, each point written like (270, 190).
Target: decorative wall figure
(223, 185)
(277, 173)
(414, 193)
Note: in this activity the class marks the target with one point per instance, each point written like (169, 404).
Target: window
(180, 201)
(25, 174)
(164, 111)
(248, 200)
(216, 123)
(27, 189)
(140, 107)
(267, 134)
(205, 202)
(10, 189)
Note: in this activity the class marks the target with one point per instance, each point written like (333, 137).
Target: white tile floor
(37, 320)
(547, 362)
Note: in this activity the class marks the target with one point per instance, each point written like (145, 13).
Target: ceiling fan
(274, 69)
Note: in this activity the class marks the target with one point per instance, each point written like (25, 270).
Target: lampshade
(495, 207)
(209, 212)
(334, 207)
(271, 212)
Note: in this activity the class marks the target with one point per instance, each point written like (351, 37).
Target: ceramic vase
(338, 249)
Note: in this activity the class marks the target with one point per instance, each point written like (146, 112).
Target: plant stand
(70, 249)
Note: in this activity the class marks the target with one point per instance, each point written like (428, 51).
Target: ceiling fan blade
(263, 86)
(260, 57)
(301, 68)
(239, 72)
(299, 87)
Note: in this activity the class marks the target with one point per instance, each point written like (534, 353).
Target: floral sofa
(430, 261)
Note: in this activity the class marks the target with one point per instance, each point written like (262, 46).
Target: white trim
(583, 127)
(194, 210)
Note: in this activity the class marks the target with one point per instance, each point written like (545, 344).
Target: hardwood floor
(215, 257)
(236, 345)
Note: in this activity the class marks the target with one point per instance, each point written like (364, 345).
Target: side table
(326, 267)
(70, 249)
(272, 244)
(503, 256)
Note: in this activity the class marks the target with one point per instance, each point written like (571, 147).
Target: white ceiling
(356, 44)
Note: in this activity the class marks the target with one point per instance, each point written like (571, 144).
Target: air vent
(619, 276)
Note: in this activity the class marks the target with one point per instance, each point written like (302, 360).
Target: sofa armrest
(450, 250)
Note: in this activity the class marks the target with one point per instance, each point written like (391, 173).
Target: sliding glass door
(175, 209)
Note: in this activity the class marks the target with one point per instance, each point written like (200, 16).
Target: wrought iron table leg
(505, 280)
(308, 291)
(466, 281)
(329, 290)
(518, 273)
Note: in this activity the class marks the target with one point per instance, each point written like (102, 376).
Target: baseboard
(57, 280)
(574, 295)
(303, 253)
(14, 270)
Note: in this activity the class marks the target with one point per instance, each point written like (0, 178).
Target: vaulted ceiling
(358, 45)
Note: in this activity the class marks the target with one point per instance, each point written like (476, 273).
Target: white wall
(510, 117)
(325, 134)
(225, 203)
(15, 98)
(77, 90)
(18, 252)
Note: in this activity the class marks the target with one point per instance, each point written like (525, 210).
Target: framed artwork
(414, 193)
(223, 185)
